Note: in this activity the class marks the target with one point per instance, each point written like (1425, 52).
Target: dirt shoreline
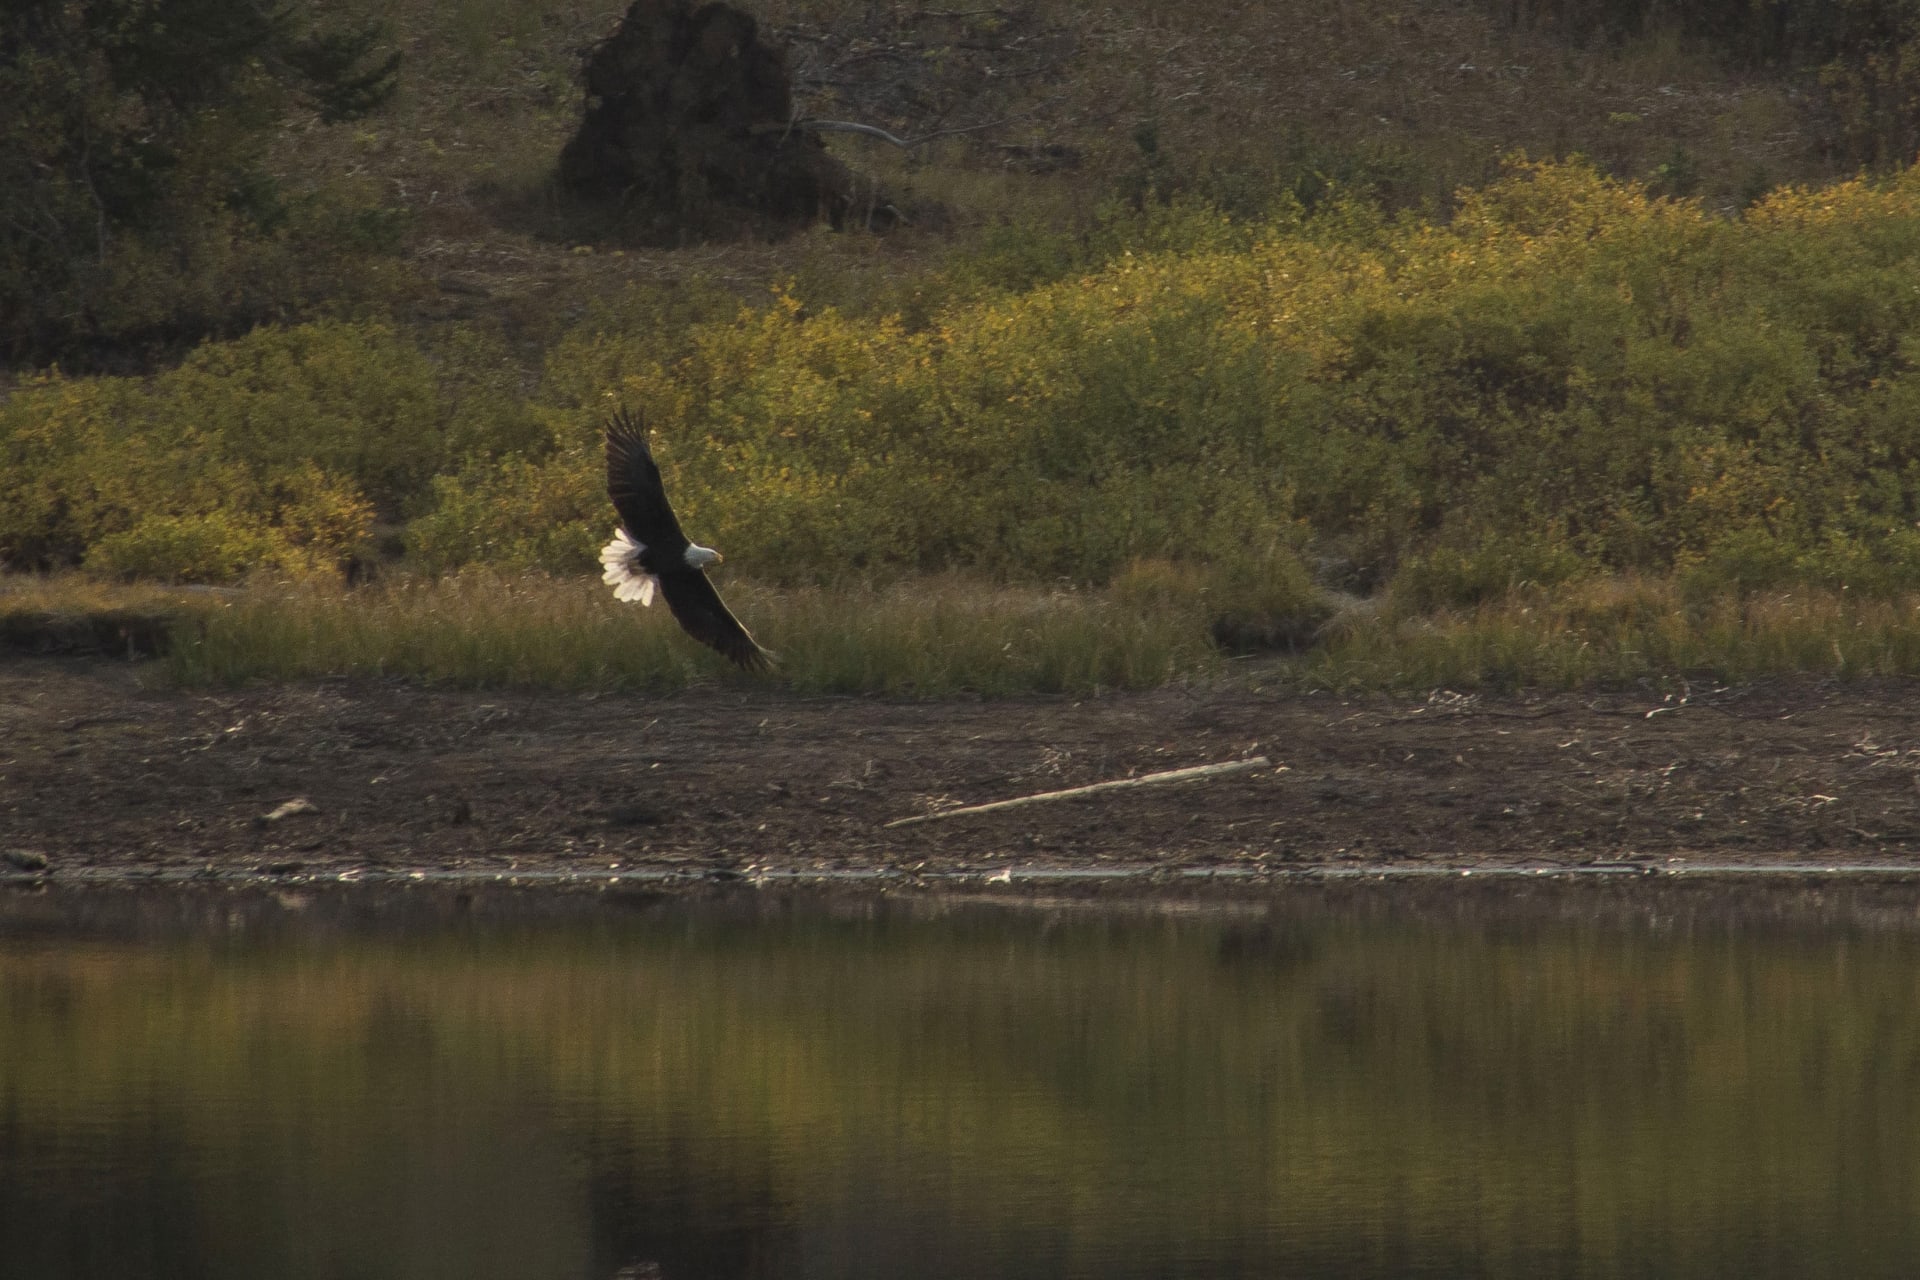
(103, 773)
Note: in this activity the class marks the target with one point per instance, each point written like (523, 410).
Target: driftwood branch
(1194, 774)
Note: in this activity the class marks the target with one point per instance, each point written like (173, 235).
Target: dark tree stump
(687, 128)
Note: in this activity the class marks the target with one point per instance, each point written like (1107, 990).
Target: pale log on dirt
(1194, 774)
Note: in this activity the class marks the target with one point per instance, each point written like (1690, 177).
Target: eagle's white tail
(621, 558)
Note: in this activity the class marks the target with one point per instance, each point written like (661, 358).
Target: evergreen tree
(131, 134)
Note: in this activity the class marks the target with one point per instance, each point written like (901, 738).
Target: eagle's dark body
(650, 551)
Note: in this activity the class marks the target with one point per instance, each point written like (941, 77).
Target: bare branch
(1194, 774)
(871, 131)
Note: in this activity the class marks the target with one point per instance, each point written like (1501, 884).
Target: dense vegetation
(1566, 378)
(1555, 376)
(135, 198)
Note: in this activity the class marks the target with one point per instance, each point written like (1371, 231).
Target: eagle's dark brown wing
(633, 482)
(698, 609)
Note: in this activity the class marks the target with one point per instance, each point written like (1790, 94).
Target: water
(1519, 1080)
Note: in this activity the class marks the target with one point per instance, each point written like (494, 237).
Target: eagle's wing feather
(633, 482)
(698, 609)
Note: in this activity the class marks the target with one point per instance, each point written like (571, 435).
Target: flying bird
(649, 553)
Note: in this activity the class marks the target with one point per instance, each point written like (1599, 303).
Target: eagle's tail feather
(621, 560)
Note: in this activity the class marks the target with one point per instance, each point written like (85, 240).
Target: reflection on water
(1543, 1081)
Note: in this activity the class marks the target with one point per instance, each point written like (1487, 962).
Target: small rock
(24, 859)
(291, 809)
(634, 815)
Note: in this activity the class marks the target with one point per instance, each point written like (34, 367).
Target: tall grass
(944, 636)
(934, 636)
(1616, 631)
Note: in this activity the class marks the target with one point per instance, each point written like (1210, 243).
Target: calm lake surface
(1539, 1080)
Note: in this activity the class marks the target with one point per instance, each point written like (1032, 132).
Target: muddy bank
(101, 771)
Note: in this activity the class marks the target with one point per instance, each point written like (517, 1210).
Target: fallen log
(1195, 773)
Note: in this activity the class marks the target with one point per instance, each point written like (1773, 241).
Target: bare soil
(102, 769)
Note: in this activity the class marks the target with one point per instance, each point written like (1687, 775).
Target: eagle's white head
(699, 557)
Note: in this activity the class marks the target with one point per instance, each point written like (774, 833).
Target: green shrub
(213, 546)
(1265, 600)
(551, 516)
(283, 447)
(297, 526)
(1492, 569)
(357, 400)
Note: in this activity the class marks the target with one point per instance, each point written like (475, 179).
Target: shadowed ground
(97, 770)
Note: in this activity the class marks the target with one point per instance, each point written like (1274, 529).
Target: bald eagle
(649, 552)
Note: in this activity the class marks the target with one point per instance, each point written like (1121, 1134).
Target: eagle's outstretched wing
(698, 609)
(633, 482)
(655, 550)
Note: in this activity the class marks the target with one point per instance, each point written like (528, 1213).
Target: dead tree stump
(687, 129)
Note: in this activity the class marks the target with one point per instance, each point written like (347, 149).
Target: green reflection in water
(1355, 1083)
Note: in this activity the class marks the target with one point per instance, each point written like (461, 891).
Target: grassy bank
(950, 636)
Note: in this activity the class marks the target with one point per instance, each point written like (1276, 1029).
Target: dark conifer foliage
(131, 134)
